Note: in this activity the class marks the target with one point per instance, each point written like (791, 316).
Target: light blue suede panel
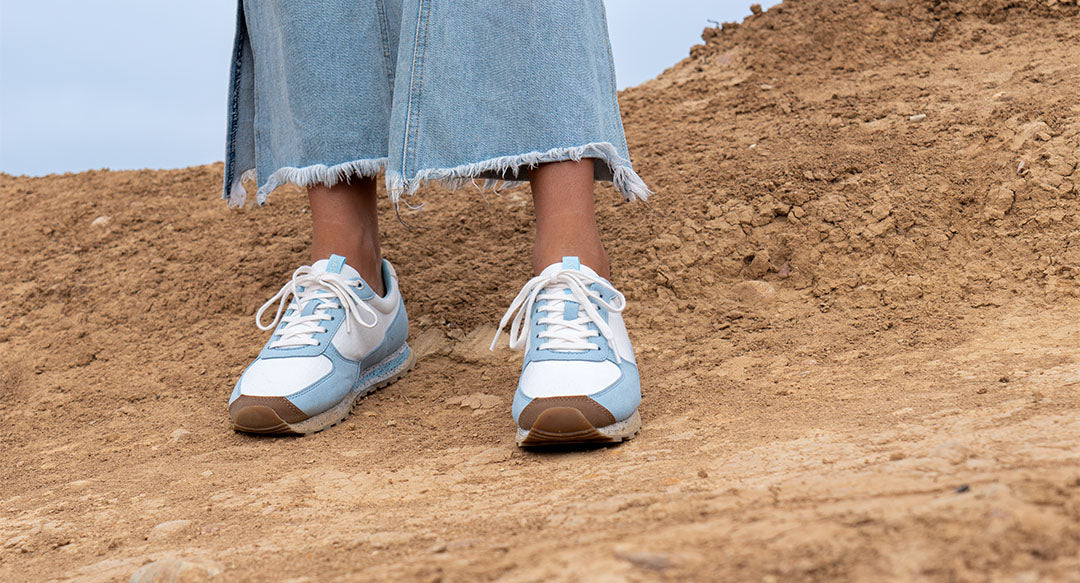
(331, 389)
(394, 338)
(236, 390)
(623, 397)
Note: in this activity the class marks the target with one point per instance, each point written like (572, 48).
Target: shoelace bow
(562, 334)
(307, 285)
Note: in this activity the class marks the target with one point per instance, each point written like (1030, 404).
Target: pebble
(880, 210)
(952, 451)
(917, 117)
(190, 570)
(998, 202)
(178, 434)
(754, 292)
(644, 559)
(101, 221)
(760, 265)
(475, 401)
(168, 529)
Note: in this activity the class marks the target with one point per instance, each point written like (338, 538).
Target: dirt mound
(898, 400)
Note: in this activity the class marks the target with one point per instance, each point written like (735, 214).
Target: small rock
(755, 8)
(766, 87)
(192, 570)
(998, 203)
(495, 455)
(178, 434)
(644, 559)
(207, 473)
(880, 210)
(101, 221)
(475, 401)
(759, 265)
(438, 548)
(917, 117)
(1029, 131)
(168, 529)
(951, 451)
(880, 228)
(702, 474)
(754, 292)
(993, 491)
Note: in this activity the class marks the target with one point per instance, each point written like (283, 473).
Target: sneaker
(579, 382)
(336, 342)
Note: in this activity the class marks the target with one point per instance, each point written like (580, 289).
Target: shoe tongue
(568, 264)
(336, 264)
(571, 308)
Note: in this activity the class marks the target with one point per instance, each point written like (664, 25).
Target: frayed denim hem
(305, 177)
(506, 171)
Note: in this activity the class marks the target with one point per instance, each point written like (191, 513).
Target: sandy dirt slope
(906, 406)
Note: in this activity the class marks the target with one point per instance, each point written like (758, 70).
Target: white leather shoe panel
(280, 377)
(567, 378)
(359, 341)
(622, 339)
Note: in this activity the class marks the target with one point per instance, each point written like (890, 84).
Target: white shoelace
(562, 334)
(332, 289)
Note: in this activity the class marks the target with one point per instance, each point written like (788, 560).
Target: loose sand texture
(899, 401)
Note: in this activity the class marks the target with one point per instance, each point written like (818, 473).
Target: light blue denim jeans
(426, 90)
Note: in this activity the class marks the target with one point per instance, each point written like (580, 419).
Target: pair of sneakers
(335, 340)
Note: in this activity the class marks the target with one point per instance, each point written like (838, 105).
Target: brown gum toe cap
(264, 413)
(565, 414)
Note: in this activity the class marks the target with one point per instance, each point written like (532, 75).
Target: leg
(579, 382)
(283, 392)
(565, 217)
(345, 221)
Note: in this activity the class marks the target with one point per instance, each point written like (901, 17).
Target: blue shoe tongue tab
(570, 309)
(335, 264)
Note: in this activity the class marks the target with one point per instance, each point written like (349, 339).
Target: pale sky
(127, 84)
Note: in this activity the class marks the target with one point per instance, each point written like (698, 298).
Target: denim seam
(415, 84)
(615, 84)
(234, 103)
(255, 125)
(384, 29)
(412, 82)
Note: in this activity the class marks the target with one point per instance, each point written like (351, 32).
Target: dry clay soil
(903, 174)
